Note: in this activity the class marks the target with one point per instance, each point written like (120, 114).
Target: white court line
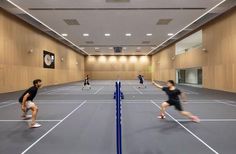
(26, 150)
(6, 105)
(5, 102)
(210, 120)
(194, 135)
(217, 101)
(140, 92)
(98, 90)
(29, 120)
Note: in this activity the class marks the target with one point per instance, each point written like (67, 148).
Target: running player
(86, 82)
(174, 100)
(26, 101)
(141, 81)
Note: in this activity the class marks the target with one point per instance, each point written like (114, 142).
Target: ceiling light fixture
(85, 34)
(170, 34)
(107, 34)
(149, 34)
(128, 34)
(64, 34)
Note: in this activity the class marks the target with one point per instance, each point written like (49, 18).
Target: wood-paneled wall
(118, 67)
(18, 67)
(218, 63)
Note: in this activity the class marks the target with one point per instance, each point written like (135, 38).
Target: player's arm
(24, 101)
(158, 85)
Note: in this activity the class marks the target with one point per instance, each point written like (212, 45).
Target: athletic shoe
(26, 117)
(195, 119)
(36, 125)
(161, 116)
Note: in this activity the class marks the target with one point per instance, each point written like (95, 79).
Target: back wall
(118, 67)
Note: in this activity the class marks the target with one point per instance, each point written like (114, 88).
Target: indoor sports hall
(117, 77)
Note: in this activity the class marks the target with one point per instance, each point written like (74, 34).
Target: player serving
(174, 100)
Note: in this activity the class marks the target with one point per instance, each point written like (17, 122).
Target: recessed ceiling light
(64, 34)
(124, 48)
(85, 34)
(128, 34)
(96, 48)
(170, 34)
(149, 34)
(107, 34)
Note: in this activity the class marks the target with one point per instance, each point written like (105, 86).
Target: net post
(118, 119)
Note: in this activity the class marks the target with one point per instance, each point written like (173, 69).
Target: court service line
(98, 90)
(209, 120)
(6, 105)
(26, 150)
(29, 120)
(194, 135)
(140, 92)
(217, 101)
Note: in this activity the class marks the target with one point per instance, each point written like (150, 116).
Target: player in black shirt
(26, 101)
(141, 81)
(86, 82)
(174, 100)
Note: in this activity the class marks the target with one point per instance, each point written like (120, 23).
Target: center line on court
(98, 90)
(140, 92)
(26, 150)
(194, 135)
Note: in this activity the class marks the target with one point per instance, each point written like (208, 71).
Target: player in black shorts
(174, 100)
(141, 81)
(86, 82)
(27, 102)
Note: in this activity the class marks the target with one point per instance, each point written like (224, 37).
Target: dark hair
(172, 82)
(36, 81)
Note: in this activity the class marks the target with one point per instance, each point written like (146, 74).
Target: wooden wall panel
(114, 67)
(18, 68)
(218, 63)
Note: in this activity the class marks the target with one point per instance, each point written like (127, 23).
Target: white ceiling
(95, 19)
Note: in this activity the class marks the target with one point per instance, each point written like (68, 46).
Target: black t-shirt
(173, 95)
(140, 78)
(32, 92)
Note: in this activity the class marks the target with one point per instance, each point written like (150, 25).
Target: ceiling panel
(98, 17)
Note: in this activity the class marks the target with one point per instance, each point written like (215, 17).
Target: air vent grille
(89, 42)
(146, 42)
(164, 21)
(71, 22)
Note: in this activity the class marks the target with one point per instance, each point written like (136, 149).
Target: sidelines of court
(217, 101)
(124, 101)
(194, 135)
(139, 91)
(98, 90)
(50, 130)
